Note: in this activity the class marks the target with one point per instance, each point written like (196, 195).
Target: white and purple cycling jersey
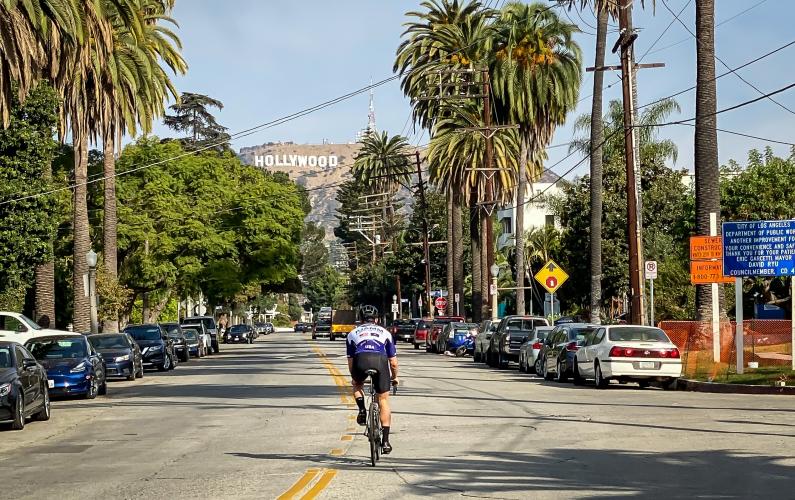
(370, 338)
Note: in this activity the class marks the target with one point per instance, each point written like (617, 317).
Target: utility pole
(425, 249)
(626, 40)
(489, 204)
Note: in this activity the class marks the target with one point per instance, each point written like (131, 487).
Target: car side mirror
(28, 363)
(21, 328)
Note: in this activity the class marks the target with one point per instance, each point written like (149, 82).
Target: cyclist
(370, 347)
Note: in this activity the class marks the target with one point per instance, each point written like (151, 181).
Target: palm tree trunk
(521, 192)
(458, 255)
(45, 278)
(82, 241)
(477, 269)
(109, 224)
(450, 255)
(706, 141)
(485, 276)
(597, 136)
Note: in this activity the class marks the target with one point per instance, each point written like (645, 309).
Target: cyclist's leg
(386, 411)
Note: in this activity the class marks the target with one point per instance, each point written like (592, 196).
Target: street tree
(192, 115)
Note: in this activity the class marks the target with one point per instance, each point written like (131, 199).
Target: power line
(663, 32)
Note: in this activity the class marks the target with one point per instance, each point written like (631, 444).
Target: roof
(549, 177)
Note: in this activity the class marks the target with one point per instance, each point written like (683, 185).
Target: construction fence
(767, 345)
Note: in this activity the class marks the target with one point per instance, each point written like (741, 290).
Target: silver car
(529, 359)
(485, 330)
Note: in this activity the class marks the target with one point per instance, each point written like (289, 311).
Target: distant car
(455, 334)
(560, 348)
(209, 325)
(529, 352)
(73, 365)
(240, 334)
(641, 354)
(156, 348)
(439, 322)
(24, 391)
(204, 335)
(485, 330)
(322, 329)
(176, 334)
(422, 332)
(121, 354)
(511, 333)
(300, 327)
(403, 329)
(269, 328)
(195, 346)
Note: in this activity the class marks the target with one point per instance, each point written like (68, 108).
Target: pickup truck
(19, 328)
(506, 341)
(343, 321)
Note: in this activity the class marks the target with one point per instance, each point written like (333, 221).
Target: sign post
(651, 275)
(551, 277)
(706, 268)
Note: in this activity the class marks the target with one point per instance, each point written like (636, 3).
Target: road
(273, 418)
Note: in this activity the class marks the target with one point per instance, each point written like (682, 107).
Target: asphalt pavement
(274, 419)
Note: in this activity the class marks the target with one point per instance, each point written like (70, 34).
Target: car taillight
(394, 330)
(572, 346)
(537, 345)
(631, 352)
(617, 352)
(674, 353)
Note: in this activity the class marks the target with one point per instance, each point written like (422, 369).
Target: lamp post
(495, 271)
(91, 260)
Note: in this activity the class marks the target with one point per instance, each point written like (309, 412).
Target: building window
(549, 220)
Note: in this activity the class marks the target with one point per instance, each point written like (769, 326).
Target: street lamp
(495, 271)
(91, 260)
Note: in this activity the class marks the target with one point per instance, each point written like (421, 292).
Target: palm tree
(383, 162)
(707, 169)
(536, 80)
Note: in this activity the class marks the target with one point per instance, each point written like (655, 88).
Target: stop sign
(440, 302)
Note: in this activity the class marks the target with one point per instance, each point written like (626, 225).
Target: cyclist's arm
(391, 352)
(393, 367)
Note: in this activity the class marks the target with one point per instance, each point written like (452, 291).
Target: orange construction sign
(706, 272)
(706, 247)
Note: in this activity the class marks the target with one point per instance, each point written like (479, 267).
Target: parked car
(529, 352)
(156, 348)
(403, 329)
(453, 335)
(73, 365)
(322, 328)
(240, 334)
(421, 332)
(121, 354)
(260, 329)
(439, 322)
(511, 333)
(195, 345)
(300, 327)
(19, 328)
(24, 391)
(176, 334)
(269, 328)
(560, 347)
(628, 353)
(485, 331)
(204, 336)
(209, 325)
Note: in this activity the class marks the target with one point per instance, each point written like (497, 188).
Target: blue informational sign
(759, 248)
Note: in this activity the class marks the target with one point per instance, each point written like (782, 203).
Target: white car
(641, 354)
(19, 328)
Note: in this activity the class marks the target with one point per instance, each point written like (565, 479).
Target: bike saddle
(371, 372)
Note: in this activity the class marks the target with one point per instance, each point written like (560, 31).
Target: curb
(697, 386)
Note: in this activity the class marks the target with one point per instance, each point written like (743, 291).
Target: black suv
(510, 335)
(156, 348)
(175, 333)
(209, 325)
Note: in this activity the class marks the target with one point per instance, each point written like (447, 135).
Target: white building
(536, 211)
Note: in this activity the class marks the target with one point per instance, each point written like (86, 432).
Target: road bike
(373, 431)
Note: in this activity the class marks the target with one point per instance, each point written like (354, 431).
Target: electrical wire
(663, 32)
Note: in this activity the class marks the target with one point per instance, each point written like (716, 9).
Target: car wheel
(140, 373)
(103, 389)
(44, 414)
(667, 385)
(133, 373)
(173, 363)
(19, 414)
(599, 379)
(547, 374)
(93, 389)
(643, 384)
(216, 349)
(560, 373)
(578, 380)
(416, 347)
(186, 356)
(502, 364)
(538, 367)
(166, 364)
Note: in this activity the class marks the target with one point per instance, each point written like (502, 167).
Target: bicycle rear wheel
(373, 435)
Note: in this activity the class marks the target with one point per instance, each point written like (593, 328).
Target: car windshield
(109, 342)
(6, 360)
(638, 335)
(190, 333)
(579, 333)
(174, 334)
(58, 348)
(143, 332)
(238, 329)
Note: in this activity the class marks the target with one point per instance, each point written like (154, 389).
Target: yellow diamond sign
(551, 276)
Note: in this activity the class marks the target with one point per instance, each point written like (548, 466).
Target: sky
(266, 59)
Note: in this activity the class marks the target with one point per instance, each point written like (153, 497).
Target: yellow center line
(324, 480)
(299, 485)
(346, 437)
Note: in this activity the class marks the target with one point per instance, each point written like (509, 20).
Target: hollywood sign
(296, 161)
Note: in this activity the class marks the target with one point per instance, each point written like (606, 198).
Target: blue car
(455, 335)
(74, 368)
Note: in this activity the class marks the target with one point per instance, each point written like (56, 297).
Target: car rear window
(638, 334)
(143, 332)
(109, 342)
(579, 333)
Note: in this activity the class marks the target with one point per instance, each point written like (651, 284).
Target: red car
(421, 332)
(439, 322)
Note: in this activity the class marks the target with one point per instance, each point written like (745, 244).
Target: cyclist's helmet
(369, 314)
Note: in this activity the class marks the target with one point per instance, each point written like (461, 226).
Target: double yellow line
(325, 475)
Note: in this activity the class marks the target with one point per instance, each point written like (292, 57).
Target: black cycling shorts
(372, 361)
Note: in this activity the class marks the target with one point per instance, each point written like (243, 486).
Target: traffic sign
(395, 308)
(457, 298)
(440, 303)
(704, 272)
(706, 247)
(551, 276)
(651, 269)
(759, 248)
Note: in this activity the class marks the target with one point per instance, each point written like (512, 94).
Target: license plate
(647, 365)
(51, 383)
